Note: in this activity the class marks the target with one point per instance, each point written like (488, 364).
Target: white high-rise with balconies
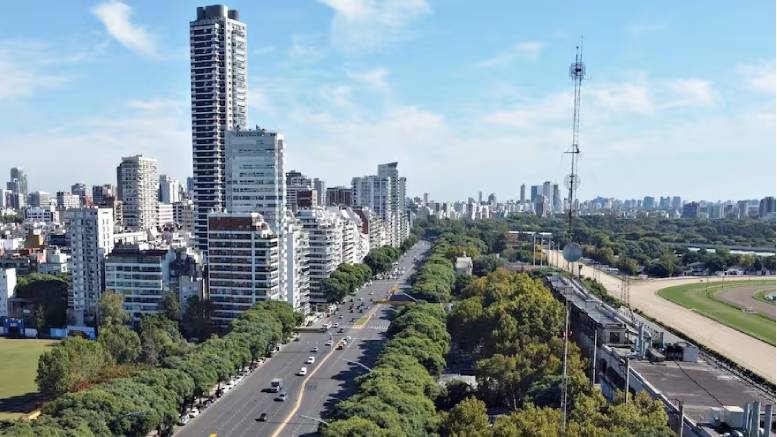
(139, 181)
(385, 194)
(90, 231)
(219, 75)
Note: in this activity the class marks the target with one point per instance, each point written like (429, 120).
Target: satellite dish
(568, 180)
(573, 252)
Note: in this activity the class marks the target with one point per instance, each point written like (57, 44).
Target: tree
(111, 309)
(121, 342)
(196, 321)
(353, 427)
(467, 419)
(48, 295)
(71, 362)
(171, 307)
(628, 265)
(528, 422)
(485, 264)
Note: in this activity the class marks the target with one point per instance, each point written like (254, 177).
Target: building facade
(324, 230)
(139, 182)
(90, 231)
(219, 77)
(243, 262)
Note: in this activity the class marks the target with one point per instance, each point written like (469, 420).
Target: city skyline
(343, 97)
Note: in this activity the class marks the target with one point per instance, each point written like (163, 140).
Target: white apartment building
(138, 187)
(7, 286)
(361, 235)
(55, 261)
(67, 200)
(256, 182)
(169, 189)
(297, 266)
(255, 175)
(219, 77)
(324, 230)
(145, 276)
(165, 214)
(385, 193)
(243, 262)
(91, 238)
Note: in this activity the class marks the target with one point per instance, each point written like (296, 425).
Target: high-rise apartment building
(90, 231)
(325, 252)
(80, 190)
(320, 187)
(522, 197)
(7, 285)
(169, 189)
(18, 181)
(766, 207)
(556, 199)
(297, 268)
(243, 263)
(255, 175)
(139, 181)
(219, 74)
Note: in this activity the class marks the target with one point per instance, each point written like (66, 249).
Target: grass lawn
(18, 391)
(761, 295)
(694, 296)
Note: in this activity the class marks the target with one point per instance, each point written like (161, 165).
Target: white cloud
(529, 50)
(28, 67)
(304, 49)
(690, 92)
(117, 19)
(759, 77)
(19, 78)
(365, 25)
(375, 78)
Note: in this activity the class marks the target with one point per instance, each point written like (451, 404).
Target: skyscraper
(523, 193)
(169, 189)
(139, 187)
(556, 201)
(218, 89)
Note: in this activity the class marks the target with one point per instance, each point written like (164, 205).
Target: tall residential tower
(218, 87)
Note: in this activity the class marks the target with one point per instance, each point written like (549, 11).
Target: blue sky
(679, 99)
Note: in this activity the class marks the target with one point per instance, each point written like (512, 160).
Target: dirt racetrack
(741, 348)
(742, 297)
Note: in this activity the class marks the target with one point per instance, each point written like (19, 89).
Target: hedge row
(397, 397)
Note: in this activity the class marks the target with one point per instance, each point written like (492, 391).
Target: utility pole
(626, 393)
(593, 360)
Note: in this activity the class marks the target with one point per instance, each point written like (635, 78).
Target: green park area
(18, 391)
(701, 297)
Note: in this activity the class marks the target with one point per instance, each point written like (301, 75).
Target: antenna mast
(577, 73)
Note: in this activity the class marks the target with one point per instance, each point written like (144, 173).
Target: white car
(329, 343)
(310, 360)
(302, 371)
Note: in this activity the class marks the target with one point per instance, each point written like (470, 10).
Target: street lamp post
(359, 364)
(405, 294)
(314, 418)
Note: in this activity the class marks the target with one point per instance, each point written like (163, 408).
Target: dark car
(262, 418)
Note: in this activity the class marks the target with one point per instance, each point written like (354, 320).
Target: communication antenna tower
(577, 73)
(572, 251)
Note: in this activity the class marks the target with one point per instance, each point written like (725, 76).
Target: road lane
(236, 412)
